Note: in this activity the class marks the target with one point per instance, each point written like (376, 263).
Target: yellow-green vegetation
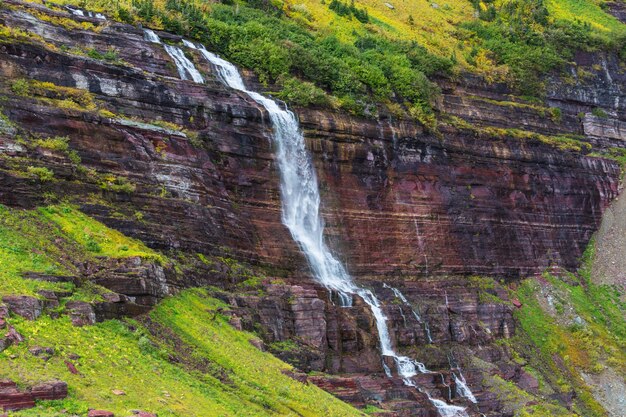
(62, 96)
(59, 144)
(587, 330)
(553, 113)
(26, 245)
(94, 236)
(235, 379)
(117, 184)
(9, 35)
(52, 240)
(590, 13)
(564, 143)
(59, 96)
(522, 403)
(42, 174)
(359, 55)
(65, 22)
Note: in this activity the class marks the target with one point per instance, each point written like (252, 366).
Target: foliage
(597, 339)
(42, 174)
(598, 112)
(20, 87)
(530, 38)
(56, 143)
(109, 55)
(349, 10)
(561, 142)
(113, 355)
(356, 75)
(26, 244)
(117, 184)
(94, 236)
(303, 93)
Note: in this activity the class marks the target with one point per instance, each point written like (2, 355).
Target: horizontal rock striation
(12, 398)
(402, 205)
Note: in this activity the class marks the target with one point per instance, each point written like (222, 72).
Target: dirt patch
(609, 265)
(609, 389)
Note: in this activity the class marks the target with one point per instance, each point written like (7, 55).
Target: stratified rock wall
(402, 206)
(397, 200)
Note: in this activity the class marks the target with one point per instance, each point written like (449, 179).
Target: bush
(109, 55)
(598, 112)
(56, 143)
(117, 184)
(20, 87)
(302, 93)
(42, 174)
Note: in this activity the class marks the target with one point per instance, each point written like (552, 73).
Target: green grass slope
(238, 379)
(182, 360)
(572, 328)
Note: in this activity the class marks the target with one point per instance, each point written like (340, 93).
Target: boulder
(100, 413)
(81, 313)
(24, 305)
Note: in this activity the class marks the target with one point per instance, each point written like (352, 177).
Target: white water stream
(185, 67)
(301, 214)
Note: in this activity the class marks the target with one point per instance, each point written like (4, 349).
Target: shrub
(56, 143)
(598, 112)
(20, 87)
(117, 184)
(109, 55)
(302, 93)
(42, 174)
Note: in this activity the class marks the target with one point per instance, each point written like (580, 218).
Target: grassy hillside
(229, 376)
(184, 360)
(53, 240)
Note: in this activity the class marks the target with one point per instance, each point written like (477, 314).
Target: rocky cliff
(503, 189)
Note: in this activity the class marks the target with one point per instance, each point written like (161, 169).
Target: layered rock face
(403, 206)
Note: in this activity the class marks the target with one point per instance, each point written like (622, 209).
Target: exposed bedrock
(402, 206)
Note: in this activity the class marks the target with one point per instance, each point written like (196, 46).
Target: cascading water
(301, 215)
(81, 13)
(150, 36)
(462, 390)
(402, 298)
(184, 66)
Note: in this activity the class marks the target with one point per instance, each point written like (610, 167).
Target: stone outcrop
(11, 398)
(26, 306)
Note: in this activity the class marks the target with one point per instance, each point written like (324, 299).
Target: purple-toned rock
(100, 413)
(23, 305)
(527, 382)
(81, 313)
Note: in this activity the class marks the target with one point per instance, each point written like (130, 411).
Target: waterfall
(447, 410)
(184, 66)
(462, 390)
(81, 13)
(150, 36)
(427, 331)
(301, 215)
(402, 298)
(75, 12)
